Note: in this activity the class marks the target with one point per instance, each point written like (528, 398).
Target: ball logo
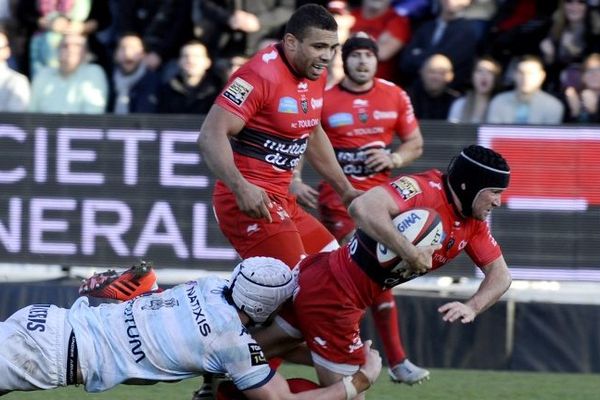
(382, 249)
(407, 222)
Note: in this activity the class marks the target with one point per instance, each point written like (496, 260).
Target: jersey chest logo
(406, 187)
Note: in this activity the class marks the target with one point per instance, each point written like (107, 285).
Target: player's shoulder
(267, 64)
(389, 88)
(425, 184)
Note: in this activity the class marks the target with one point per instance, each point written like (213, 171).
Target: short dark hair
(310, 16)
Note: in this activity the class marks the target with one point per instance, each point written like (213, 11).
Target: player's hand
(378, 160)
(423, 260)
(457, 311)
(350, 195)
(305, 194)
(253, 201)
(372, 366)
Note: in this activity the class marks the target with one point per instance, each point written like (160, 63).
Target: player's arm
(388, 45)
(277, 388)
(307, 196)
(373, 212)
(218, 126)
(321, 156)
(496, 282)
(409, 150)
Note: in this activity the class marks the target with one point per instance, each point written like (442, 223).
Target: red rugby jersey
(413, 191)
(355, 122)
(280, 110)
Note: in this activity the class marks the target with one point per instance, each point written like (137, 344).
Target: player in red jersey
(265, 119)
(335, 288)
(361, 115)
(391, 30)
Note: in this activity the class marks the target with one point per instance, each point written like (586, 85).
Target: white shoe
(409, 373)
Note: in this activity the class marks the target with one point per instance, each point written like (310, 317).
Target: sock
(385, 317)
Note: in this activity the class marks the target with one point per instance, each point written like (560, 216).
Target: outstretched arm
(278, 389)
(496, 282)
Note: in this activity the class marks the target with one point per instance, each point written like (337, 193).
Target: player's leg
(385, 317)
(334, 215)
(329, 320)
(33, 355)
(315, 237)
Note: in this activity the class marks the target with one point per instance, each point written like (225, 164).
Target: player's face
(485, 202)
(314, 52)
(361, 65)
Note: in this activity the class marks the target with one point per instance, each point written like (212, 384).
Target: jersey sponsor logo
(288, 105)
(305, 123)
(340, 119)
(304, 105)
(435, 185)
(375, 130)
(406, 187)
(462, 244)
(238, 91)
(360, 103)
(133, 334)
(302, 87)
(157, 304)
(315, 104)
(199, 317)
(385, 114)
(257, 356)
(37, 317)
(270, 56)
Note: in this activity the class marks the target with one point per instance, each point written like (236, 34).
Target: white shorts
(33, 348)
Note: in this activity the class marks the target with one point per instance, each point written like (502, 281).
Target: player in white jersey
(196, 327)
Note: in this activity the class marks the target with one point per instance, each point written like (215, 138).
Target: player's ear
(290, 42)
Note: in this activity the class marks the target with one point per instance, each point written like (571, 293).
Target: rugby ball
(421, 226)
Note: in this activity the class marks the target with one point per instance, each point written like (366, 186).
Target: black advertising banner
(107, 190)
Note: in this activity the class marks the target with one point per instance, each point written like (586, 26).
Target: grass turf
(444, 384)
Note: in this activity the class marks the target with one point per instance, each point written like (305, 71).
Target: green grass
(444, 385)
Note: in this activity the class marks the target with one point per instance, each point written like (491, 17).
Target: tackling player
(176, 334)
(361, 115)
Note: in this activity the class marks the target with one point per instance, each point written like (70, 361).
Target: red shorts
(325, 314)
(333, 212)
(292, 234)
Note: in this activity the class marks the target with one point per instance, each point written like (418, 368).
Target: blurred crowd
(468, 61)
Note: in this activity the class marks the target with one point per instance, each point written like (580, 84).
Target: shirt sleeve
(243, 359)
(482, 247)
(406, 192)
(406, 121)
(243, 95)
(399, 27)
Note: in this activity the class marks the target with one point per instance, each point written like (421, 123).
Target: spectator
(195, 87)
(14, 87)
(451, 35)
(518, 28)
(391, 30)
(76, 87)
(527, 103)
(48, 21)
(481, 12)
(431, 96)
(582, 105)
(473, 107)
(237, 27)
(134, 86)
(573, 35)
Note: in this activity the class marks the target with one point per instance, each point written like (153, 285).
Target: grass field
(444, 385)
